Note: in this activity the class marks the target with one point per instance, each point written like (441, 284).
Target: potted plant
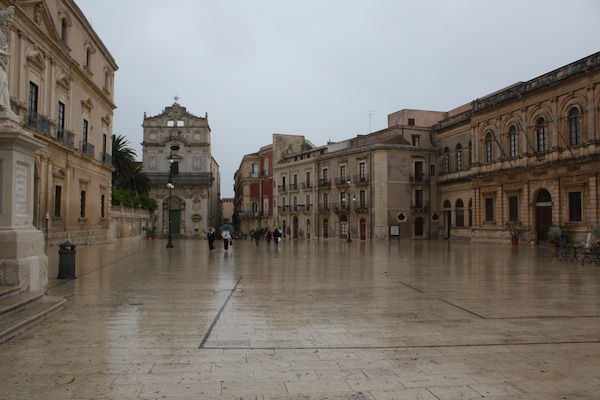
(554, 234)
(150, 232)
(515, 228)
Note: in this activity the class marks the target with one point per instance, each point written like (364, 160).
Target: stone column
(23, 261)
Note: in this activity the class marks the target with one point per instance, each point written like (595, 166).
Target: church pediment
(35, 58)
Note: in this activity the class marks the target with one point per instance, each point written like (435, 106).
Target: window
(460, 213)
(63, 29)
(295, 203)
(308, 183)
(307, 202)
(418, 171)
(265, 206)
(254, 209)
(489, 210)
(574, 127)
(513, 208)
(325, 174)
(416, 140)
(266, 166)
(541, 134)
(325, 201)
(489, 148)
(362, 170)
(432, 170)
(33, 97)
(362, 196)
(254, 170)
(418, 198)
(470, 153)
(88, 55)
(459, 158)
(575, 206)
(343, 173)
(175, 168)
(61, 116)
(512, 141)
(411, 122)
(57, 200)
(446, 159)
(343, 200)
(104, 137)
(84, 132)
(102, 206)
(470, 213)
(82, 204)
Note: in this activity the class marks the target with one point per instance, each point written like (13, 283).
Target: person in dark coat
(212, 236)
(277, 236)
(257, 234)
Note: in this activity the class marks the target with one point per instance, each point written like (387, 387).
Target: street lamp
(171, 187)
(350, 195)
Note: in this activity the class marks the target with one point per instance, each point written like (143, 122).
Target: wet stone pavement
(313, 320)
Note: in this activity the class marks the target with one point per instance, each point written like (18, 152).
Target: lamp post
(171, 187)
(350, 195)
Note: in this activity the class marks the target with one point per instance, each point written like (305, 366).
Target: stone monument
(23, 261)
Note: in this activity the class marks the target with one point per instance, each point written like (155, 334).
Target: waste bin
(66, 260)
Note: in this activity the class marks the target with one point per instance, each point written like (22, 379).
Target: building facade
(61, 80)
(253, 201)
(529, 153)
(185, 178)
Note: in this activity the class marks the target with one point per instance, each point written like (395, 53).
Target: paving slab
(319, 319)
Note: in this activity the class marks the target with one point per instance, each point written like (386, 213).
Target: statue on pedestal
(6, 18)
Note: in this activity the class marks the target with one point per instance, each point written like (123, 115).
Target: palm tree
(139, 182)
(123, 161)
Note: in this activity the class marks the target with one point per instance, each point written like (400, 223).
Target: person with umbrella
(226, 231)
(257, 235)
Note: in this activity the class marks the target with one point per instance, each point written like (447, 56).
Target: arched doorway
(363, 229)
(418, 226)
(543, 214)
(325, 228)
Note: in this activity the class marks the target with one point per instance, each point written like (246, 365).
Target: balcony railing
(65, 136)
(281, 188)
(38, 122)
(186, 179)
(87, 148)
(324, 207)
(307, 185)
(324, 183)
(419, 178)
(106, 158)
(292, 187)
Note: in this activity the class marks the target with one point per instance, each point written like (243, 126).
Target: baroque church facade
(185, 178)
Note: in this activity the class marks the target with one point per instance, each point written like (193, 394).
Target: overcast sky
(325, 69)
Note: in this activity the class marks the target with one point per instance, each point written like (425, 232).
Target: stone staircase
(21, 310)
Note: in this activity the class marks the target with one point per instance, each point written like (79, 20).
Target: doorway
(543, 215)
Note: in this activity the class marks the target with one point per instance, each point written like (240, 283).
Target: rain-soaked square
(313, 320)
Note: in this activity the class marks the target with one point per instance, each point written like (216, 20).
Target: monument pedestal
(23, 261)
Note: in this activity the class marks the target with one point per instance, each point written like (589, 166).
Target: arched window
(459, 158)
(460, 213)
(447, 204)
(489, 148)
(512, 141)
(64, 24)
(574, 126)
(88, 55)
(446, 159)
(470, 212)
(542, 135)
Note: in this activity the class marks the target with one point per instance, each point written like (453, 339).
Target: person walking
(277, 236)
(226, 239)
(257, 234)
(268, 235)
(212, 236)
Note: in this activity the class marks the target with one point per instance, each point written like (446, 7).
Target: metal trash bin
(66, 260)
